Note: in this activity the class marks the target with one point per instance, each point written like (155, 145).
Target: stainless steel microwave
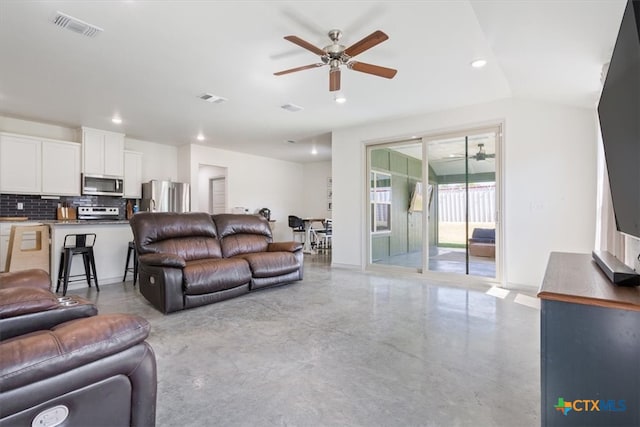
(100, 185)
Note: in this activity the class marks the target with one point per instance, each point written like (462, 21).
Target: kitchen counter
(86, 222)
(112, 244)
(55, 222)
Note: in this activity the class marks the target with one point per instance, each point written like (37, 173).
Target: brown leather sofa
(60, 361)
(191, 259)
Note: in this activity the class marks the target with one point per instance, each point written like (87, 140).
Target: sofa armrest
(25, 310)
(32, 278)
(284, 247)
(33, 357)
(163, 260)
(19, 301)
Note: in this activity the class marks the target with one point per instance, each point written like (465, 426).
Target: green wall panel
(400, 192)
(398, 163)
(414, 167)
(379, 247)
(380, 159)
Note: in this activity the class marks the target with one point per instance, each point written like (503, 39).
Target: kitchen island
(110, 250)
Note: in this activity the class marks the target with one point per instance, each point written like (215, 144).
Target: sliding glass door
(441, 217)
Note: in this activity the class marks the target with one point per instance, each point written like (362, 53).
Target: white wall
(315, 194)
(252, 181)
(43, 130)
(159, 161)
(549, 180)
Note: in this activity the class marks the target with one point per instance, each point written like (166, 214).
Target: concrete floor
(344, 348)
(448, 260)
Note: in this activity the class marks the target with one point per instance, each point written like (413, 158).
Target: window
(380, 198)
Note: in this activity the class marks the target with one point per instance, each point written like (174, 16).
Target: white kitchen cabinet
(60, 168)
(132, 175)
(102, 152)
(31, 165)
(20, 164)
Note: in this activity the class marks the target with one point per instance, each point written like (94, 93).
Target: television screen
(619, 113)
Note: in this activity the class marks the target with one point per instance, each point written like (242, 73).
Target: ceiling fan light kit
(336, 55)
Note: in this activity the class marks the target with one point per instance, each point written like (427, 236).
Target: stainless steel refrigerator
(165, 196)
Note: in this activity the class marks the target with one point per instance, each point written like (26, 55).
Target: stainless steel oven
(100, 185)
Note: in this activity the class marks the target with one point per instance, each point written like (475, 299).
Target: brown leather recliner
(91, 370)
(191, 259)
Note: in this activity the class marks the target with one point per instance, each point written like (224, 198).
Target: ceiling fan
(479, 156)
(335, 55)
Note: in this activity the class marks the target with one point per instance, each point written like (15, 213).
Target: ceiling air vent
(214, 99)
(291, 107)
(76, 25)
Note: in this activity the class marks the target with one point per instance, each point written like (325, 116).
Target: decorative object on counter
(82, 245)
(134, 269)
(129, 209)
(65, 213)
(136, 208)
(265, 212)
(20, 258)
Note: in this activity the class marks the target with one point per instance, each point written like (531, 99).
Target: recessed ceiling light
(116, 119)
(314, 151)
(339, 98)
(200, 137)
(479, 63)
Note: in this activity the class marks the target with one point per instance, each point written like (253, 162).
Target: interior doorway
(218, 199)
(212, 189)
(434, 203)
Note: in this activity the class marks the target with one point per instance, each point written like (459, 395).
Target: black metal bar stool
(77, 244)
(134, 269)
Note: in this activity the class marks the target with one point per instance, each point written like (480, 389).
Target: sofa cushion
(31, 278)
(269, 264)
(189, 235)
(483, 235)
(212, 275)
(239, 244)
(228, 224)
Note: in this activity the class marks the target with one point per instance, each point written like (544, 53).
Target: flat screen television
(619, 114)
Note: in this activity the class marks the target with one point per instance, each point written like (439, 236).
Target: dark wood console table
(590, 346)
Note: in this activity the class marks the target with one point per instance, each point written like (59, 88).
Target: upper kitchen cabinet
(32, 165)
(132, 175)
(60, 168)
(20, 164)
(103, 152)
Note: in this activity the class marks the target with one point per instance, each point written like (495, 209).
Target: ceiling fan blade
(293, 70)
(366, 43)
(376, 70)
(334, 79)
(305, 45)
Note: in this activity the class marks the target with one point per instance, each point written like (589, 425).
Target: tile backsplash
(36, 207)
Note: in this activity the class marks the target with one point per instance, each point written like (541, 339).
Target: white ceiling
(155, 58)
